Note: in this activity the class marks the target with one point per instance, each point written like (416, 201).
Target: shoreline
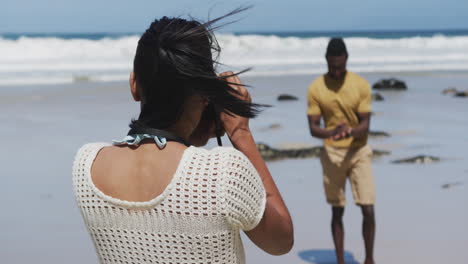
(246, 76)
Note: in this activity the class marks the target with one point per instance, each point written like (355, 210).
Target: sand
(418, 221)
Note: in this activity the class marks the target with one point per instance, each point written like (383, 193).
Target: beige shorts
(356, 164)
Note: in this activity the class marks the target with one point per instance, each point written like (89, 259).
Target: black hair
(336, 47)
(176, 58)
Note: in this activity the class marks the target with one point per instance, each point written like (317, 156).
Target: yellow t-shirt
(340, 101)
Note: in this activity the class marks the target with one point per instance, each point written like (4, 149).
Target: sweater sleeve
(244, 194)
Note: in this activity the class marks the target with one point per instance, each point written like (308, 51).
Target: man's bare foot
(340, 260)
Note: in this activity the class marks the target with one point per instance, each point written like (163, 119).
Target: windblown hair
(176, 58)
(336, 47)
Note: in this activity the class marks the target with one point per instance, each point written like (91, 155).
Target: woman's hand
(234, 125)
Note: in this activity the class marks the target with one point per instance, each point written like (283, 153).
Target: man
(343, 99)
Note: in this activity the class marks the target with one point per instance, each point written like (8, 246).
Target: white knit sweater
(196, 219)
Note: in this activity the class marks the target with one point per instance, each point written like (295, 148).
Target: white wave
(54, 60)
(366, 69)
(27, 49)
(64, 66)
(263, 50)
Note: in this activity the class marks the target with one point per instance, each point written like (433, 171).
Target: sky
(87, 16)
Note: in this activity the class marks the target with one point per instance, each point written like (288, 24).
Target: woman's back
(136, 173)
(192, 217)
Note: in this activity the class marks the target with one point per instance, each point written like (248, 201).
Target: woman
(156, 197)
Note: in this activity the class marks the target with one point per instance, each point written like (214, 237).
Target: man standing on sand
(343, 99)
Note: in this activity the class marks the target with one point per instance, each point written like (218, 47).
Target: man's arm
(363, 113)
(316, 130)
(362, 129)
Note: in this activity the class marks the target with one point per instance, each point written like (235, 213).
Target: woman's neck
(182, 129)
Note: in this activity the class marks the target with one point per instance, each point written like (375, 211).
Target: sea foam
(33, 60)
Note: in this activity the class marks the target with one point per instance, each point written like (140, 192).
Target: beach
(420, 208)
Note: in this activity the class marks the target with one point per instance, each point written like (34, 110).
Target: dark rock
(274, 126)
(377, 97)
(455, 92)
(450, 90)
(450, 185)
(378, 134)
(390, 84)
(81, 78)
(421, 159)
(271, 154)
(287, 97)
(379, 153)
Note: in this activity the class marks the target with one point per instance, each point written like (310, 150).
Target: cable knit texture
(196, 219)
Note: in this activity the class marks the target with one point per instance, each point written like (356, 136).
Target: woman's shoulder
(224, 152)
(89, 147)
(89, 151)
(225, 157)
(218, 156)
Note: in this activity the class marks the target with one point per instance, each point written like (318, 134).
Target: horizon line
(249, 31)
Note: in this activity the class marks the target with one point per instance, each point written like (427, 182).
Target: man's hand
(341, 131)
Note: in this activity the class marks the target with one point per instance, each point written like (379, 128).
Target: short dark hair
(336, 47)
(174, 60)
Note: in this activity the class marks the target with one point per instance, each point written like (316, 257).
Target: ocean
(41, 59)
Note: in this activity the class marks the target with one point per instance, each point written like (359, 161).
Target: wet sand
(418, 221)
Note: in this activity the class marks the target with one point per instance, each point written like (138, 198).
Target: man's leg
(362, 184)
(334, 180)
(368, 231)
(338, 233)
